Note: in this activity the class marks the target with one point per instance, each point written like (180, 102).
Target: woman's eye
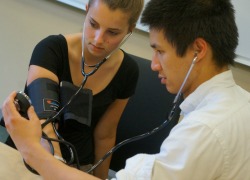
(92, 24)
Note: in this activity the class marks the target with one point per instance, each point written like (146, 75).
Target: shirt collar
(224, 79)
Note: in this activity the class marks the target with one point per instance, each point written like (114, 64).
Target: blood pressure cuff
(44, 95)
(80, 108)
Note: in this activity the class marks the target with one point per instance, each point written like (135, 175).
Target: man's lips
(163, 79)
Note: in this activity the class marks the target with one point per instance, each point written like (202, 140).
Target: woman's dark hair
(132, 7)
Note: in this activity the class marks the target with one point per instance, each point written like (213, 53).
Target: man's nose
(155, 65)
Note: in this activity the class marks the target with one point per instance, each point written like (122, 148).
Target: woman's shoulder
(52, 39)
(52, 42)
(65, 41)
(50, 53)
(74, 41)
(129, 61)
(69, 45)
(128, 69)
(74, 44)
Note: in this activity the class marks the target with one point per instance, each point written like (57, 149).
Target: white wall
(242, 16)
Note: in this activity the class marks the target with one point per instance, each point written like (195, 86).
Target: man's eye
(159, 52)
(113, 33)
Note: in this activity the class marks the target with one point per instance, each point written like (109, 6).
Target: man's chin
(170, 90)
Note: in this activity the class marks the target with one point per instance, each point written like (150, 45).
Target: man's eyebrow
(154, 46)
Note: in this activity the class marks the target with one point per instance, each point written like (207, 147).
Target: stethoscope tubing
(74, 156)
(129, 140)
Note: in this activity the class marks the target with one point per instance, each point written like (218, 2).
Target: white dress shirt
(211, 142)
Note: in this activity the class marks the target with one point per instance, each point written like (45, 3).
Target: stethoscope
(52, 119)
(86, 75)
(171, 116)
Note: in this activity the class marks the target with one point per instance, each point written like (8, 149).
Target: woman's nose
(99, 37)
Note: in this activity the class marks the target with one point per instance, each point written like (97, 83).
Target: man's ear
(200, 46)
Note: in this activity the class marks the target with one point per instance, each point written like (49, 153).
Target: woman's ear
(87, 7)
(131, 28)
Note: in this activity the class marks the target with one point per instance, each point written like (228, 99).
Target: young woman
(55, 73)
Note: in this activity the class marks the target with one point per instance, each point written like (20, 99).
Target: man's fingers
(32, 114)
(8, 108)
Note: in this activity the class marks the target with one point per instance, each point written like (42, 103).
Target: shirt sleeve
(138, 167)
(192, 151)
(49, 53)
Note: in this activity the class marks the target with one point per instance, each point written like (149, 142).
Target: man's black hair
(182, 21)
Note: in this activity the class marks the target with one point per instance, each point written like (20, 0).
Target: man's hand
(24, 132)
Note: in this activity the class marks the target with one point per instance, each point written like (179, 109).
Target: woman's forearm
(49, 131)
(49, 167)
(102, 147)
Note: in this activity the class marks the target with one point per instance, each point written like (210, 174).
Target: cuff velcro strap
(44, 95)
(80, 108)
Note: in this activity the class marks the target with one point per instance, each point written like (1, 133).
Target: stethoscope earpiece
(195, 57)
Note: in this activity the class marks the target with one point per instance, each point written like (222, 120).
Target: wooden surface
(12, 166)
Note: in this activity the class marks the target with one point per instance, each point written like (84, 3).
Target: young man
(194, 43)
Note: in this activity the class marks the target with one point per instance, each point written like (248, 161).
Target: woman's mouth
(96, 48)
